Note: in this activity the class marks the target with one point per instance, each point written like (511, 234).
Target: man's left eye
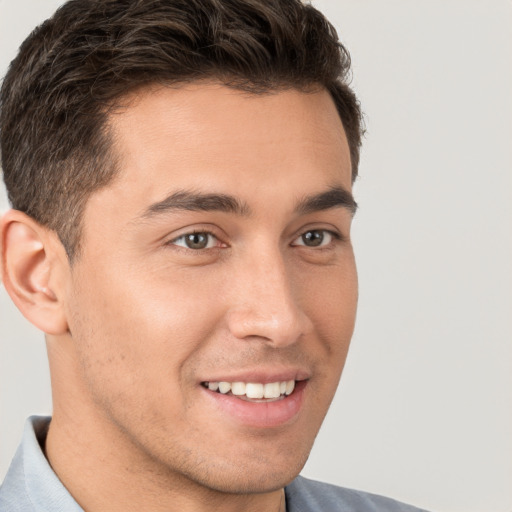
(314, 238)
(196, 241)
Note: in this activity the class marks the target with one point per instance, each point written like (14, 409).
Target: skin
(140, 319)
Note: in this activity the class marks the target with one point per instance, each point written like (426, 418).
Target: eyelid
(335, 236)
(210, 236)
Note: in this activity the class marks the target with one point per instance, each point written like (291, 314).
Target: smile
(253, 390)
(256, 404)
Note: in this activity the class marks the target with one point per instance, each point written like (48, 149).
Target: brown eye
(195, 241)
(315, 238)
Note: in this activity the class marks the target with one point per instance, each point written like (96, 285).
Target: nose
(264, 304)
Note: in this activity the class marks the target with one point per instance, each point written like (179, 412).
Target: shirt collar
(31, 476)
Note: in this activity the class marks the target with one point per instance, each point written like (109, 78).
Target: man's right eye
(196, 241)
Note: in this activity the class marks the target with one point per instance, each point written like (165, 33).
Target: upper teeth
(254, 389)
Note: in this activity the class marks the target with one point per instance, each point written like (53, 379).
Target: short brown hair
(74, 68)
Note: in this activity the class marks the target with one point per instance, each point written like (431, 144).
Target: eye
(315, 238)
(196, 241)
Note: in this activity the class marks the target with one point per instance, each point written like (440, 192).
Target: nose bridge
(265, 304)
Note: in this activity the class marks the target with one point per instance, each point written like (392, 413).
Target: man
(181, 180)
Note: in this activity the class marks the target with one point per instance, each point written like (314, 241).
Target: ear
(34, 263)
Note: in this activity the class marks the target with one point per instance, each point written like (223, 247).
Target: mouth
(258, 399)
(253, 391)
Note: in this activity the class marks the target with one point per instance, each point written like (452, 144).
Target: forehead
(214, 138)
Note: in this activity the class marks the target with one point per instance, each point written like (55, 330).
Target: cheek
(330, 297)
(331, 303)
(134, 338)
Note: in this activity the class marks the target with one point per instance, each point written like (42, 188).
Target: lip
(263, 415)
(261, 376)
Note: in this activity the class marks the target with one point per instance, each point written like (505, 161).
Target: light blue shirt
(31, 486)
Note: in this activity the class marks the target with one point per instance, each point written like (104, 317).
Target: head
(181, 176)
(77, 67)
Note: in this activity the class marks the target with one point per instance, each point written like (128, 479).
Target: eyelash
(183, 237)
(332, 234)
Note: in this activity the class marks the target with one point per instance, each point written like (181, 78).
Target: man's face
(220, 254)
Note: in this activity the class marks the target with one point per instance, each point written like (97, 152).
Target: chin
(255, 477)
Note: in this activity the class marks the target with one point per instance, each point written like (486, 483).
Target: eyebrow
(195, 201)
(335, 197)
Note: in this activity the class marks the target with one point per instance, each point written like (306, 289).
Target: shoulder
(304, 495)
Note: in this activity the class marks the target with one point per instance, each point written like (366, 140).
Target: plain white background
(424, 411)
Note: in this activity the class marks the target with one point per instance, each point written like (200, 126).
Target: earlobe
(29, 266)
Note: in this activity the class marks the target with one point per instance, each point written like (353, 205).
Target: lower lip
(260, 414)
